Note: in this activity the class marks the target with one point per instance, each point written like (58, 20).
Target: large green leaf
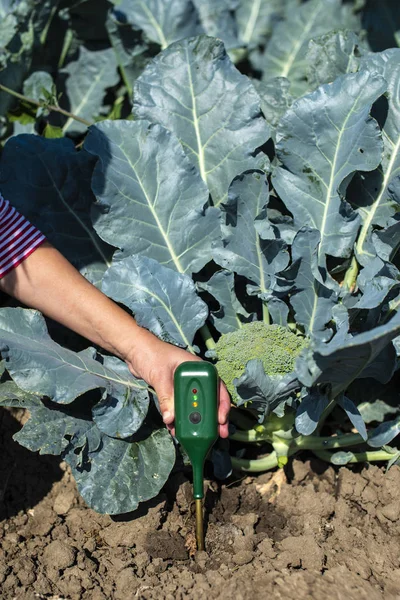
(87, 81)
(332, 54)
(38, 86)
(120, 413)
(275, 99)
(48, 181)
(162, 300)
(255, 20)
(377, 195)
(342, 361)
(112, 475)
(40, 366)
(131, 52)
(312, 301)
(51, 431)
(150, 197)
(218, 21)
(193, 89)
(285, 54)
(125, 472)
(11, 395)
(248, 249)
(231, 314)
(163, 21)
(323, 138)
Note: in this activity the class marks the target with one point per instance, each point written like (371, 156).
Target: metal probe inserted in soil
(196, 423)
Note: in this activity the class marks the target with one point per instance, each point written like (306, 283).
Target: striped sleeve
(18, 238)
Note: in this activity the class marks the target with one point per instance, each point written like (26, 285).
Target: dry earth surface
(325, 534)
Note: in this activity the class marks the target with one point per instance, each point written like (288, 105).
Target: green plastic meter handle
(196, 414)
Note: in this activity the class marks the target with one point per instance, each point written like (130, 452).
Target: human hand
(155, 362)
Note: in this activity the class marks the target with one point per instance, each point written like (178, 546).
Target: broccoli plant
(231, 219)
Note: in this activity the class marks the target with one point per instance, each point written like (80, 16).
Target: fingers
(224, 404)
(224, 431)
(165, 395)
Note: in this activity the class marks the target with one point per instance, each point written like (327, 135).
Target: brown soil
(326, 534)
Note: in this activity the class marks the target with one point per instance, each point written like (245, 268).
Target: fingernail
(166, 416)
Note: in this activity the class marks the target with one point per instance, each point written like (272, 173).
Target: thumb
(165, 395)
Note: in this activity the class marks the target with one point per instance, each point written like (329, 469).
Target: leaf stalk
(43, 105)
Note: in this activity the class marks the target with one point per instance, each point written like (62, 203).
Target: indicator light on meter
(194, 391)
(195, 397)
(195, 404)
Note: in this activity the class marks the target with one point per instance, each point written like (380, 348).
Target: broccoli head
(275, 345)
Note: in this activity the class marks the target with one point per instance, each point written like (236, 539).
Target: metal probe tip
(199, 524)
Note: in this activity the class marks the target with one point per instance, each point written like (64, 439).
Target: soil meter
(196, 423)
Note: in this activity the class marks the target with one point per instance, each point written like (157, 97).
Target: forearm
(48, 282)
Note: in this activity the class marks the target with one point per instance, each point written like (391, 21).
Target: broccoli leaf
(256, 387)
(40, 366)
(162, 300)
(48, 181)
(384, 433)
(245, 251)
(120, 414)
(39, 86)
(11, 395)
(163, 21)
(354, 415)
(343, 360)
(218, 20)
(275, 99)
(312, 301)
(124, 473)
(222, 286)
(131, 52)
(150, 197)
(376, 195)
(85, 86)
(310, 410)
(193, 89)
(255, 20)
(332, 54)
(112, 475)
(387, 241)
(337, 115)
(376, 411)
(375, 281)
(342, 458)
(285, 54)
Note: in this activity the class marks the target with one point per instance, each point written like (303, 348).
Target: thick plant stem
(265, 311)
(368, 456)
(302, 442)
(255, 466)
(207, 337)
(322, 443)
(251, 436)
(48, 106)
(350, 279)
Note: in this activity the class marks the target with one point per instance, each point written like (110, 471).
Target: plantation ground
(325, 535)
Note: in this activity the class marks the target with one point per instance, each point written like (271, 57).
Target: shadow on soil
(25, 477)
